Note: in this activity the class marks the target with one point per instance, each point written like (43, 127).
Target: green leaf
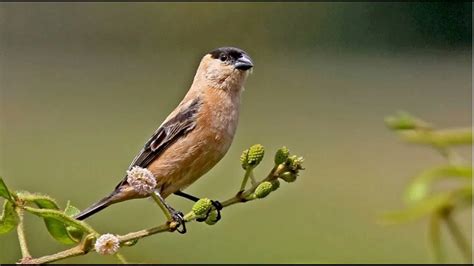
(60, 217)
(70, 210)
(422, 208)
(9, 219)
(56, 228)
(73, 231)
(405, 121)
(419, 187)
(4, 193)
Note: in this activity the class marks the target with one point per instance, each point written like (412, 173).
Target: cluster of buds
(251, 157)
(204, 207)
(288, 167)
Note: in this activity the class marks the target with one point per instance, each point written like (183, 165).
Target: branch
(78, 250)
(441, 138)
(459, 239)
(21, 236)
(286, 167)
(414, 130)
(132, 237)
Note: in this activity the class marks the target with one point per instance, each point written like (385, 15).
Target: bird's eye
(223, 58)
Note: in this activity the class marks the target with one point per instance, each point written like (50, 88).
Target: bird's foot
(218, 207)
(216, 204)
(177, 218)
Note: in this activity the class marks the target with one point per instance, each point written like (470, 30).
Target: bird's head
(225, 68)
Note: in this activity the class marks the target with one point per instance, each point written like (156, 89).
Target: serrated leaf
(56, 228)
(4, 192)
(421, 208)
(9, 219)
(419, 187)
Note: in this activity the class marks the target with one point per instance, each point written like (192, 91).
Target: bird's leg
(170, 213)
(217, 205)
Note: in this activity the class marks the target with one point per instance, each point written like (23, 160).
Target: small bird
(196, 135)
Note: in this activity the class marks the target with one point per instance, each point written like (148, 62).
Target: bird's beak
(243, 63)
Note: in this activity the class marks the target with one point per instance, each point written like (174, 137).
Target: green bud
(281, 155)
(275, 184)
(295, 163)
(263, 189)
(288, 176)
(255, 155)
(212, 218)
(244, 158)
(202, 206)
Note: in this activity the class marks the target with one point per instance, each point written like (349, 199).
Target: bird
(195, 136)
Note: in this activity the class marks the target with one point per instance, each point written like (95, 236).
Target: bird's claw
(217, 206)
(178, 217)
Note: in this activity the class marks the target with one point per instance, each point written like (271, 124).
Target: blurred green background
(83, 85)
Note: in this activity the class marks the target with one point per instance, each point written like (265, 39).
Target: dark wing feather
(166, 134)
(176, 127)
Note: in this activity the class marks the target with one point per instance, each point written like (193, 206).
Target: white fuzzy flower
(142, 180)
(107, 244)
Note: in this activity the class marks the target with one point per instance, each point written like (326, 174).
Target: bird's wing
(172, 129)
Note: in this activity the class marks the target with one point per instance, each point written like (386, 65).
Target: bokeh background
(83, 85)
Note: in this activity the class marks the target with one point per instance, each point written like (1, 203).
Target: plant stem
(253, 180)
(68, 253)
(458, 237)
(63, 217)
(442, 138)
(21, 235)
(121, 258)
(166, 227)
(435, 238)
(248, 172)
(143, 233)
(163, 208)
(80, 250)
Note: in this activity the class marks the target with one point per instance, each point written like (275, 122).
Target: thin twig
(124, 239)
(121, 258)
(435, 238)
(248, 172)
(447, 137)
(68, 253)
(459, 239)
(83, 248)
(21, 236)
(55, 213)
(132, 237)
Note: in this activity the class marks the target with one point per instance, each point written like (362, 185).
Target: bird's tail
(96, 207)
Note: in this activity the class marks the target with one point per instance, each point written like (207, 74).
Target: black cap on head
(230, 52)
(236, 56)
